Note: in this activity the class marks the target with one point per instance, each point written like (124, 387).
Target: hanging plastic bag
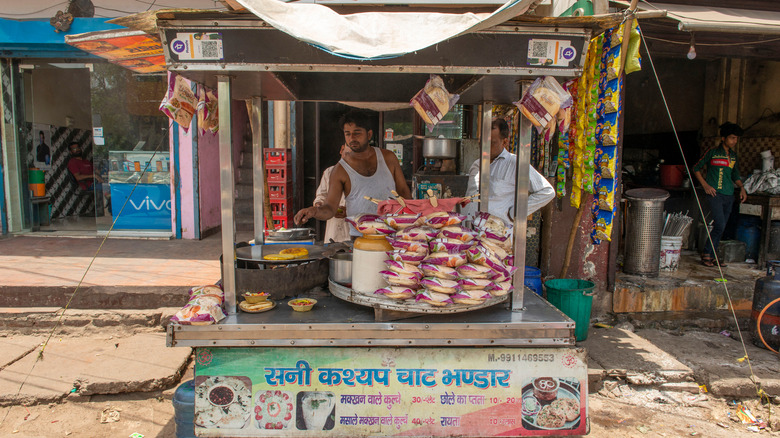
(180, 101)
(542, 101)
(433, 102)
(208, 115)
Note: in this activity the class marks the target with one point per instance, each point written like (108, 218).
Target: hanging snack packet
(542, 101)
(606, 195)
(433, 102)
(180, 101)
(633, 58)
(607, 161)
(603, 226)
(208, 115)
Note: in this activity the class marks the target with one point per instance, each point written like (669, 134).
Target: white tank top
(377, 186)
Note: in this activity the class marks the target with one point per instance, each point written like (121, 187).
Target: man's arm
(398, 175)
(708, 189)
(540, 191)
(331, 205)
(472, 189)
(737, 178)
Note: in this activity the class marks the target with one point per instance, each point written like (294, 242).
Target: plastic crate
(281, 207)
(277, 156)
(281, 222)
(279, 174)
(279, 190)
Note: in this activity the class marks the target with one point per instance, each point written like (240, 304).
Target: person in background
(336, 228)
(81, 168)
(503, 167)
(719, 183)
(365, 171)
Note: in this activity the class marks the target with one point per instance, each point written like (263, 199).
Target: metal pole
(522, 184)
(484, 158)
(258, 169)
(226, 184)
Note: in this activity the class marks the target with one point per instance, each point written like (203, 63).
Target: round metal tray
(255, 253)
(347, 294)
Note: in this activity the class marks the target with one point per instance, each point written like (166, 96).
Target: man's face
(75, 150)
(497, 144)
(356, 138)
(731, 141)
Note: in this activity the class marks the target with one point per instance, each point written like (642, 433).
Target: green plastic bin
(575, 299)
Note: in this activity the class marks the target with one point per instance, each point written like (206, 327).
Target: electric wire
(753, 377)
(39, 356)
(688, 42)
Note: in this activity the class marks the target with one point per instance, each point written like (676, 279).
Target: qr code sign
(210, 49)
(539, 49)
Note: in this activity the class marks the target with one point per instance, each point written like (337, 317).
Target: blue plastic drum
(533, 279)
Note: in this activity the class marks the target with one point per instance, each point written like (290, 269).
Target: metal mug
(340, 269)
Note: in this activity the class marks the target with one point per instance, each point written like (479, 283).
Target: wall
(208, 182)
(761, 101)
(57, 93)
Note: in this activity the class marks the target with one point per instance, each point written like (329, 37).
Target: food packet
(396, 292)
(606, 194)
(471, 270)
(486, 222)
(453, 260)
(396, 279)
(433, 298)
(402, 268)
(210, 290)
(633, 58)
(542, 100)
(201, 310)
(416, 246)
(502, 288)
(404, 256)
(417, 233)
(470, 297)
(445, 245)
(402, 221)
(208, 115)
(439, 285)
(442, 219)
(370, 224)
(433, 102)
(474, 283)
(607, 161)
(457, 232)
(180, 102)
(499, 250)
(439, 271)
(609, 129)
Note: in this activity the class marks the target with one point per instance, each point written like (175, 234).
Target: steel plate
(255, 253)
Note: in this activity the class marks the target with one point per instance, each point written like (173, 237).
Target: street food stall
(356, 365)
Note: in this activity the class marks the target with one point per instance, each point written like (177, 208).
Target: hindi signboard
(382, 392)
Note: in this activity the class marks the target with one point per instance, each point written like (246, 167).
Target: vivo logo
(148, 204)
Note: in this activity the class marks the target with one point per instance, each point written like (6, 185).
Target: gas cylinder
(765, 316)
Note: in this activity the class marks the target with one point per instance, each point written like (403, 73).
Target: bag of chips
(542, 100)
(439, 285)
(470, 297)
(441, 219)
(180, 102)
(417, 233)
(471, 270)
(453, 260)
(396, 292)
(404, 256)
(474, 283)
(433, 102)
(396, 279)
(402, 268)
(439, 271)
(402, 221)
(433, 298)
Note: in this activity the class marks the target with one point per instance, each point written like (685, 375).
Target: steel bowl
(340, 269)
(442, 148)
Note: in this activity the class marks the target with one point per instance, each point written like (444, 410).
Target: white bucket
(670, 252)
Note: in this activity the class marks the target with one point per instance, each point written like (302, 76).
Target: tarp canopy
(375, 35)
(709, 19)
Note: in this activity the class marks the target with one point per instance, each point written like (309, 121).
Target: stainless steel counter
(334, 322)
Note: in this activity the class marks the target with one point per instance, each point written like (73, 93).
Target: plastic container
(670, 253)
(575, 299)
(671, 175)
(36, 181)
(368, 256)
(765, 316)
(749, 233)
(184, 410)
(731, 251)
(533, 279)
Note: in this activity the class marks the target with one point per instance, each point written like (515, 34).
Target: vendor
(721, 179)
(365, 171)
(503, 168)
(336, 229)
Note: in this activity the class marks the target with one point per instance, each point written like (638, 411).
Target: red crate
(279, 191)
(281, 222)
(281, 207)
(279, 174)
(277, 156)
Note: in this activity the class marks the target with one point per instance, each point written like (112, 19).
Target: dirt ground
(625, 412)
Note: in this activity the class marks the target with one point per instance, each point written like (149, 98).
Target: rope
(753, 377)
(39, 357)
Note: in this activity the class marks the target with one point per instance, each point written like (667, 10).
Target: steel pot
(340, 269)
(290, 233)
(442, 148)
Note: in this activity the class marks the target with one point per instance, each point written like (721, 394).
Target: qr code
(210, 49)
(539, 49)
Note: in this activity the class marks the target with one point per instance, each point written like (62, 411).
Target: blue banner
(149, 208)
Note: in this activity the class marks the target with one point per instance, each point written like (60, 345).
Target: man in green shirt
(721, 178)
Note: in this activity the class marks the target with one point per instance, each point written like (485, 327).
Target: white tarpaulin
(372, 35)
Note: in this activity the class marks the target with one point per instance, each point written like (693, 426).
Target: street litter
(109, 415)
(742, 359)
(643, 429)
(744, 414)
(602, 325)
(726, 333)
(725, 426)
(136, 435)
